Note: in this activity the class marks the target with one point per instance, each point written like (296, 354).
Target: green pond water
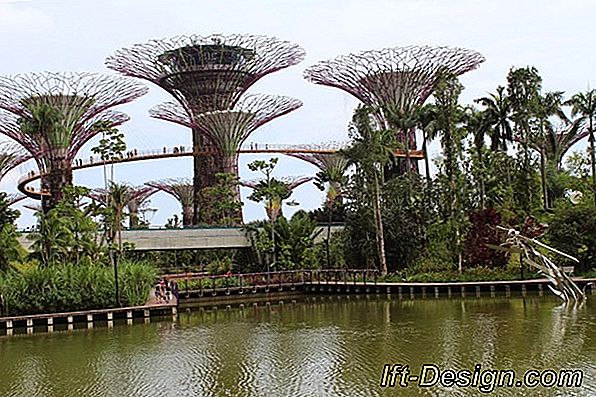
(316, 346)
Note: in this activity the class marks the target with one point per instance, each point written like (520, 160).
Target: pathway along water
(319, 346)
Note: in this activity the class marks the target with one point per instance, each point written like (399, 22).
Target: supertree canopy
(332, 168)
(394, 81)
(52, 115)
(134, 198)
(228, 129)
(206, 74)
(182, 189)
(11, 156)
(284, 188)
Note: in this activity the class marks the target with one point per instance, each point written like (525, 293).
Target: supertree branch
(172, 112)
(291, 182)
(183, 190)
(77, 96)
(45, 148)
(134, 194)
(15, 198)
(393, 79)
(558, 140)
(206, 72)
(228, 129)
(11, 156)
(333, 164)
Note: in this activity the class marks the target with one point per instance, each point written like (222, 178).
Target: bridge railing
(200, 282)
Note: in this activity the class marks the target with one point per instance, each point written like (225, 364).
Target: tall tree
(271, 192)
(546, 106)
(451, 132)
(497, 117)
(523, 89)
(584, 105)
(371, 150)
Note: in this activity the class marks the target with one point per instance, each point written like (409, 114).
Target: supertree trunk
(187, 216)
(230, 166)
(58, 177)
(207, 164)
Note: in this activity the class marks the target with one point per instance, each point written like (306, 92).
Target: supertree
(205, 74)
(183, 190)
(52, 115)
(135, 197)
(394, 82)
(284, 187)
(332, 166)
(228, 129)
(11, 156)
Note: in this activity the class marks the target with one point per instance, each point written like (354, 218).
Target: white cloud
(17, 18)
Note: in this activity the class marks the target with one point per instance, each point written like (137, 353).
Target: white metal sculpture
(562, 285)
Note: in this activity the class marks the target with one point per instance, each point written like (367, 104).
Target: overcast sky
(77, 35)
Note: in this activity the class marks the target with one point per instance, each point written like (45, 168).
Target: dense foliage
(70, 287)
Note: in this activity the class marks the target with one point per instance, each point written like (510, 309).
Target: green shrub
(70, 287)
(573, 231)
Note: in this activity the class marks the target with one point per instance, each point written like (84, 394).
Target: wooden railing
(201, 283)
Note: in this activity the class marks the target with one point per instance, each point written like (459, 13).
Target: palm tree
(523, 88)
(427, 123)
(497, 116)
(584, 105)
(546, 106)
(475, 125)
(370, 152)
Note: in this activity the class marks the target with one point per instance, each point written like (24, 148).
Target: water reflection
(319, 347)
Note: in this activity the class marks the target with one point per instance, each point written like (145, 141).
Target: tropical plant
(292, 240)
(72, 287)
(584, 105)
(371, 150)
(220, 201)
(480, 234)
(523, 89)
(497, 118)
(67, 233)
(451, 132)
(573, 231)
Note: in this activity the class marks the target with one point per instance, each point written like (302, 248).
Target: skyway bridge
(182, 151)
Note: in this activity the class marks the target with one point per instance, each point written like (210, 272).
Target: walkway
(188, 238)
(181, 151)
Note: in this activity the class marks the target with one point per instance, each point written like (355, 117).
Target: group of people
(165, 289)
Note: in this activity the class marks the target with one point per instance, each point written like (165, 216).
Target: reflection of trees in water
(326, 347)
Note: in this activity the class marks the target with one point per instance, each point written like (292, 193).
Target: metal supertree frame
(274, 208)
(183, 190)
(11, 156)
(14, 198)
(394, 81)
(228, 129)
(332, 165)
(62, 112)
(205, 74)
(135, 197)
